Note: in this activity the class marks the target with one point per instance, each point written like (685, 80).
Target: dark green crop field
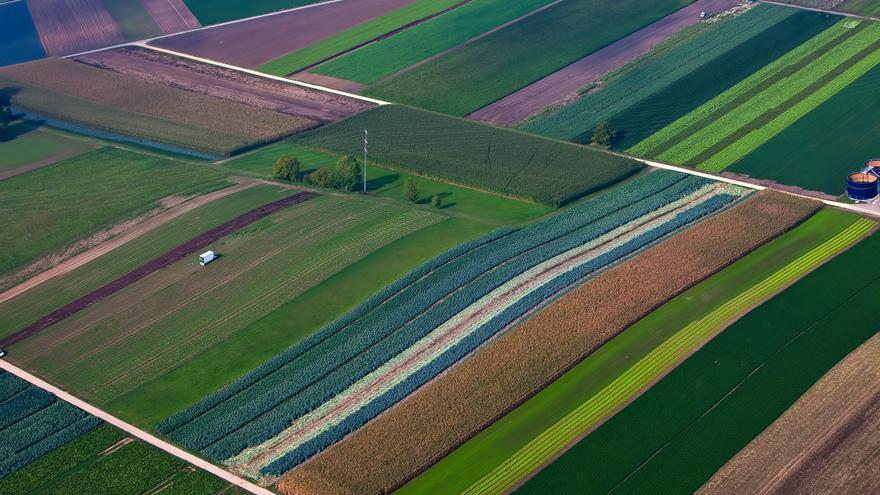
(676, 435)
(217, 11)
(499, 160)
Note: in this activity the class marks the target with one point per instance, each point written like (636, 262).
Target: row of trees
(346, 176)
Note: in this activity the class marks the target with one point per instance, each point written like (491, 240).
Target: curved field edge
(652, 366)
(816, 422)
(473, 394)
(747, 376)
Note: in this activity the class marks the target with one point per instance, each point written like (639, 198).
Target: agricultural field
(26, 146)
(68, 27)
(83, 95)
(167, 305)
(477, 391)
(80, 205)
(862, 7)
(747, 376)
(18, 35)
(49, 446)
(216, 11)
(390, 55)
(375, 355)
(479, 73)
(473, 154)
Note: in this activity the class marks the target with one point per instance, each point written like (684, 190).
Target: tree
(436, 201)
(323, 177)
(410, 190)
(287, 168)
(348, 173)
(603, 135)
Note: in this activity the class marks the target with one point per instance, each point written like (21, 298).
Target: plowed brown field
(407, 439)
(172, 16)
(71, 26)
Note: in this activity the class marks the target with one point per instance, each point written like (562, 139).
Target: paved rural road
(826, 11)
(135, 432)
(564, 84)
(105, 247)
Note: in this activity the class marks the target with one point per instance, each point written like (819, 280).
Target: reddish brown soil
(256, 41)
(71, 26)
(172, 16)
(171, 256)
(563, 85)
(329, 82)
(227, 84)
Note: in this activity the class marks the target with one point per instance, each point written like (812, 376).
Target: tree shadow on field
(443, 195)
(14, 129)
(380, 182)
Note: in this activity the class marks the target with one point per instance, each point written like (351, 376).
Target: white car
(2, 353)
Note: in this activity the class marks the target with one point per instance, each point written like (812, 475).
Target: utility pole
(365, 161)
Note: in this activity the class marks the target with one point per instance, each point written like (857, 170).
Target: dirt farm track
(259, 40)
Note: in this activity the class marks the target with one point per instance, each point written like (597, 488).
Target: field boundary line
(134, 431)
(824, 11)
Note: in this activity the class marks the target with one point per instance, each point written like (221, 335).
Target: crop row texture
(408, 438)
(10, 385)
(500, 160)
(313, 359)
(488, 330)
(22, 405)
(655, 72)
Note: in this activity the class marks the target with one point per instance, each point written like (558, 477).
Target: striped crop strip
(651, 367)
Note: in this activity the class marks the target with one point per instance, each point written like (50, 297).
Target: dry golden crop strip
(397, 446)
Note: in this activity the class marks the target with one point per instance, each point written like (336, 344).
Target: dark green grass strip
(818, 151)
(666, 106)
(675, 436)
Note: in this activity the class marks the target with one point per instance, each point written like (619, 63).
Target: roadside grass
(24, 143)
(301, 316)
(675, 436)
(482, 72)
(620, 370)
(90, 192)
(328, 47)
(216, 11)
(386, 57)
(388, 183)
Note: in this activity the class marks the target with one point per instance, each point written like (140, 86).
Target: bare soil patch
(219, 82)
(253, 42)
(174, 254)
(330, 82)
(71, 26)
(779, 187)
(563, 86)
(172, 16)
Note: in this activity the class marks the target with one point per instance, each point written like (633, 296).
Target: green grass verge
(816, 151)
(510, 447)
(216, 11)
(482, 72)
(382, 59)
(133, 19)
(460, 151)
(388, 183)
(328, 47)
(88, 193)
(296, 319)
(24, 143)
(676, 436)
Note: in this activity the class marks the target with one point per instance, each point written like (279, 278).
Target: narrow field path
(824, 11)
(116, 242)
(134, 431)
(563, 85)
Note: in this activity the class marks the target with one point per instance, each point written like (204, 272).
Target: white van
(207, 257)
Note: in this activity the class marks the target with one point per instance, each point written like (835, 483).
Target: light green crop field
(24, 147)
(364, 32)
(133, 19)
(500, 455)
(148, 328)
(387, 181)
(89, 193)
(301, 316)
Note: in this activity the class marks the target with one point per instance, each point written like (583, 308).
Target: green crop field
(178, 312)
(379, 60)
(133, 468)
(676, 435)
(217, 11)
(469, 153)
(817, 151)
(133, 19)
(482, 72)
(284, 327)
(501, 454)
(865, 7)
(90, 192)
(388, 183)
(683, 73)
(24, 146)
(350, 38)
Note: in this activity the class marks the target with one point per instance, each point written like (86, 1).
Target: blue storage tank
(862, 187)
(873, 167)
